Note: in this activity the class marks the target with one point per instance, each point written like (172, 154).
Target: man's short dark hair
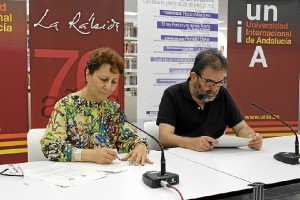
(211, 58)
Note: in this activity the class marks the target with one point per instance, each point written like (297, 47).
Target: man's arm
(168, 139)
(242, 129)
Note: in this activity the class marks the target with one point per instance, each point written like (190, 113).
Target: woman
(86, 126)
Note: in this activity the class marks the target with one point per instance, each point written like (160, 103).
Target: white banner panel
(170, 34)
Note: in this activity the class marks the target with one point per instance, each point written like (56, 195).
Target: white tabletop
(248, 164)
(195, 181)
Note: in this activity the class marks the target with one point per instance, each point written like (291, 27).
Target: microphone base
(153, 178)
(287, 157)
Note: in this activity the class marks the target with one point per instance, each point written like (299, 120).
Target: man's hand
(256, 142)
(203, 143)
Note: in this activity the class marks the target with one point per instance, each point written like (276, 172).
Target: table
(247, 164)
(201, 174)
(195, 181)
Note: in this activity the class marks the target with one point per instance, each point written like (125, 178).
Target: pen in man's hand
(102, 142)
(210, 143)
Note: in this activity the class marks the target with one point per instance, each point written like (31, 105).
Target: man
(193, 114)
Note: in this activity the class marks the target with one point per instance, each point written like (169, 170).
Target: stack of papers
(232, 141)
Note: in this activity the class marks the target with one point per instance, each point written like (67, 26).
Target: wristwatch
(77, 154)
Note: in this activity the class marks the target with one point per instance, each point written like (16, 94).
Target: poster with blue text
(170, 34)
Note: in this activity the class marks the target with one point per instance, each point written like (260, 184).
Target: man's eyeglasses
(210, 83)
(11, 170)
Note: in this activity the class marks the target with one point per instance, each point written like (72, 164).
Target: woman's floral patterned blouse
(75, 122)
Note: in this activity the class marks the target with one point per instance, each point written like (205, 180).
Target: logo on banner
(262, 28)
(5, 19)
(83, 28)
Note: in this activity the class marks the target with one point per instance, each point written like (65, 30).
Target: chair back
(34, 146)
(151, 128)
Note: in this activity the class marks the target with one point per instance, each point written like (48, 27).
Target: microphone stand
(286, 157)
(153, 178)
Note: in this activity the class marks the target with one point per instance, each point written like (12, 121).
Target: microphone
(286, 157)
(153, 178)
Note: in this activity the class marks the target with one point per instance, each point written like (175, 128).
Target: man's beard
(208, 96)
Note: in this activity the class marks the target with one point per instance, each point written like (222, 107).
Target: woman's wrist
(142, 145)
(77, 154)
(87, 155)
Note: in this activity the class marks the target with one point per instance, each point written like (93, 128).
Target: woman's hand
(138, 155)
(103, 155)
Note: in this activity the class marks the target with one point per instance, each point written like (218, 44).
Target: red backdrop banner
(13, 82)
(62, 34)
(263, 53)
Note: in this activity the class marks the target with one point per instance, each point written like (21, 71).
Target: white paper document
(64, 175)
(67, 174)
(232, 141)
(115, 167)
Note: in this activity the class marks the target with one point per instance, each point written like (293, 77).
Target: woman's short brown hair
(102, 56)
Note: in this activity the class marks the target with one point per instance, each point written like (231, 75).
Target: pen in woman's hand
(102, 142)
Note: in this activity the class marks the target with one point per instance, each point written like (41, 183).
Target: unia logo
(262, 28)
